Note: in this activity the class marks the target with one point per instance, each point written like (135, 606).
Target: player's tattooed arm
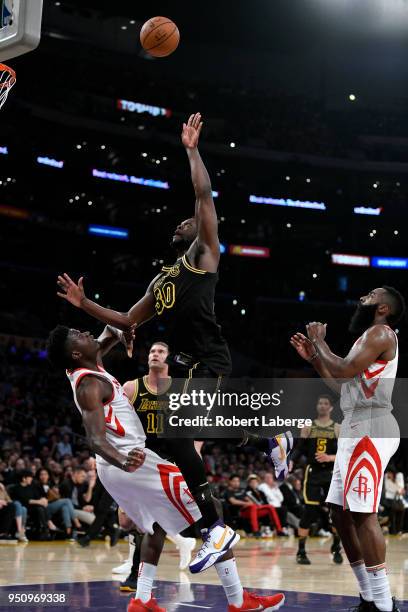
(91, 395)
(376, 341)
(207, 244)
(140, 312)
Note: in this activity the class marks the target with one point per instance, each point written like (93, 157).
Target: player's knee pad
(202, 493)
(309, 516)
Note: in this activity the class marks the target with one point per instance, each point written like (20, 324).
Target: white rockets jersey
(123, 427)
(373, 387)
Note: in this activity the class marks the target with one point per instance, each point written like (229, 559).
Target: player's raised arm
(205, 213)
(91, 396)
(111, 336)
(140, 312)
(305, 348)
(374, 342)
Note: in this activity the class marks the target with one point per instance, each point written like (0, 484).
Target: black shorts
(316, 485)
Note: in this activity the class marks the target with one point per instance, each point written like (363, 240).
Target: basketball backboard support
(20, 27)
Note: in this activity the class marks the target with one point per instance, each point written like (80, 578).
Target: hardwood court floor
(264, 565)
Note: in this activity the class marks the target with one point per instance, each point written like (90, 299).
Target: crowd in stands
(49, 486)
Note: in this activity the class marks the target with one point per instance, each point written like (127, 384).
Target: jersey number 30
(165, 297)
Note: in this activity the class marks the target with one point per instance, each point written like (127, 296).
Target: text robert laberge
(233, 421)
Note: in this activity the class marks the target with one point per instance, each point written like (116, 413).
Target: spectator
(105, 516)
(274, 496)
(235, 500)
(80, 493)
(31, 498)
(7, 515)
(292, 499)
(64, 447)
(393, 502)
(56, 503)
(259, 508)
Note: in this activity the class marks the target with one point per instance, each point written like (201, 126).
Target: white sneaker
(186, 547)
(279, 450)
(127, 565)
(217, 540)
(323, 533)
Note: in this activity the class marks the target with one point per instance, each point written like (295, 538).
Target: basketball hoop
(7, 80)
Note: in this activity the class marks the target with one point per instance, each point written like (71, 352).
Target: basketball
(159, 36)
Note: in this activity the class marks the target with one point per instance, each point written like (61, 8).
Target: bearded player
(369, 434)
(182, 297)
(150, 489)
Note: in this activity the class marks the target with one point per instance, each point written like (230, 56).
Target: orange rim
(4, 68)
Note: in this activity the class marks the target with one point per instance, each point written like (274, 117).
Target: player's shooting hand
(70, 291)
(316, 331)
(303, 346)
(135, 460)
(191, 131)
(127, 339)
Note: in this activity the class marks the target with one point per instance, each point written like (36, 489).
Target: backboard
(20, 27)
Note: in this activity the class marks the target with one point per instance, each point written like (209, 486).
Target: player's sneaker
(186, 547)
(137, 605)
(129, 585)
(254, 602)
(337, 557)
(394, 606)
(364, 606)
(125, 567)
(278, 454)
(303, 559)
(217, 540)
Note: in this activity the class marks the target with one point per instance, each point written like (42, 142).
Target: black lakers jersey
(185, 304)
(148, 409)
(322, 439)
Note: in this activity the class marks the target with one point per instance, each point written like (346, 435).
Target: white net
(7, 80)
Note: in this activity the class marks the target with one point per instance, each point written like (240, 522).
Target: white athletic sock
(360, 572)
(380, 587)
(145, 578)
(230, 580)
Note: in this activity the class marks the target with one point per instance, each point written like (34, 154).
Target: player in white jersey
(151, 491)
(369, 434)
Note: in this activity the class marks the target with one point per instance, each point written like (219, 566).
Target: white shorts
(155, 493)
(359, 471)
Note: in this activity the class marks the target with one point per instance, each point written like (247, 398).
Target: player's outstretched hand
(191, 131)
(70, 291)
(303, 346)
(316, 331)
(128, 337)
(135, 460)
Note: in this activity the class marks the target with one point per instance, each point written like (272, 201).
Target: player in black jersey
(182, 296)
(319, 444)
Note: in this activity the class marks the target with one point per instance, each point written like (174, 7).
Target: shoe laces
(204, 547)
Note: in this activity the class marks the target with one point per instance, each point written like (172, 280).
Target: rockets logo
(365, 457)
(175, 489)
(362, 488)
